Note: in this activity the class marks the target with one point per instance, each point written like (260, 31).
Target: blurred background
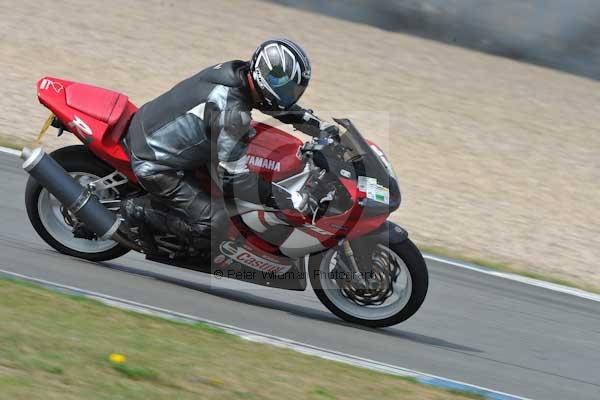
(560, 34)
(498, 157)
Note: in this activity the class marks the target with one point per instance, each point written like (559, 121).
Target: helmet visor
(288, 91)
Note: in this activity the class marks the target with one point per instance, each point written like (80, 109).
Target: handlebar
(331, 131)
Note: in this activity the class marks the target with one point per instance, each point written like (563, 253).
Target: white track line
(10, 151)
(517, 278)
(513, 277)
(275, 340)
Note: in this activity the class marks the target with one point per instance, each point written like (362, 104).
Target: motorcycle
(361, 266)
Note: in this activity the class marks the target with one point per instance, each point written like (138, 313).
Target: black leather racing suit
(203, 120)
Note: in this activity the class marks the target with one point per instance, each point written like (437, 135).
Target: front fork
(388, 232)
(357, 275)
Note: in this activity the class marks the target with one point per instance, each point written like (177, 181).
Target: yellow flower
(117, 358)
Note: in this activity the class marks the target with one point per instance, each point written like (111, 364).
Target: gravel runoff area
(498, 160)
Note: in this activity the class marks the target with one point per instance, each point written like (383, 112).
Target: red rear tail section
(98, 117)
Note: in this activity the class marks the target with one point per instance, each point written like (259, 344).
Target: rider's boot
(134, 212)
(195, 234)
(145, 219)
(199, 235)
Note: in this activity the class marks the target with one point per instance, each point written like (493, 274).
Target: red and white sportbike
(361, 266)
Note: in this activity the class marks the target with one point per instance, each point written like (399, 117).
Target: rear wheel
(394, 289)
(56, 225)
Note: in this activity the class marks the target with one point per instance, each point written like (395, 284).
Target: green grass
(56, 346)
(499, 266)
(135, 372)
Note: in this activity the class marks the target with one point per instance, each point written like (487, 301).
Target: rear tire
(73, 159)
(418, 277)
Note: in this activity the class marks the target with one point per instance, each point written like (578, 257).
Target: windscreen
(368, 164)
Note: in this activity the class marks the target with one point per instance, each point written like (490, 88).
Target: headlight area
(386, 163)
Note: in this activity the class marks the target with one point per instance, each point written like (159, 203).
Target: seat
(102, 104)
(118, 130)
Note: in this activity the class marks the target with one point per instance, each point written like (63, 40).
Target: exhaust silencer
(77, 199)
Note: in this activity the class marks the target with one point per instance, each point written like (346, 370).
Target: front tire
(46, 217)
(413, 272)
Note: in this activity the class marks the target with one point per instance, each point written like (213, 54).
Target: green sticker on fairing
(373, 190)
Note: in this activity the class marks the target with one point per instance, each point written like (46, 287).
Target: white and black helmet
(281, 71)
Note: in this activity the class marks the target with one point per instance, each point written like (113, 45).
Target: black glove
(329, 131)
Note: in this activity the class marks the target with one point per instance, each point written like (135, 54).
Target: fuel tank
(273, 153)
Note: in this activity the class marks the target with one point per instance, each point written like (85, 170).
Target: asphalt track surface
(475, 328)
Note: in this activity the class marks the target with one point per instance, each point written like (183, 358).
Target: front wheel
(391, 290)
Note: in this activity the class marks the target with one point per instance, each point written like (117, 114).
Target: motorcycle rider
(173, 135)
